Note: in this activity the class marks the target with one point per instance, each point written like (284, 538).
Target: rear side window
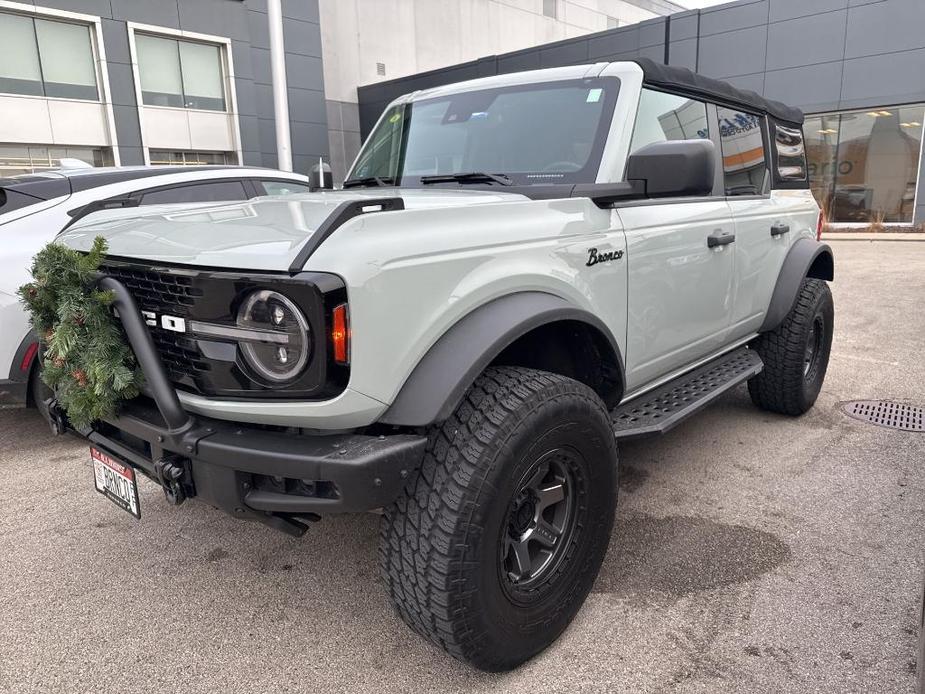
(216, 191)
(745, 161)
(662, 117)
(791, 153)
(11, 200)
(284, 187)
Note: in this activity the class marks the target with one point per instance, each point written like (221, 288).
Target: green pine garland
(86, 359)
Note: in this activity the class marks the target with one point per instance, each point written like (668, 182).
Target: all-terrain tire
(796, 353)
(442, 544)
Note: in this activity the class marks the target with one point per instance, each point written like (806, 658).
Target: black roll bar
(146, 353)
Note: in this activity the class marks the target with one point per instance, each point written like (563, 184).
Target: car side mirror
(321, 177)
(674, 168)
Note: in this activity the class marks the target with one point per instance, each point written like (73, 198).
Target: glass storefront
(863, 166)
(24, 159)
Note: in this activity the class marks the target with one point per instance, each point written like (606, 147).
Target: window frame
(247, 184)
(94, 29)
(225, 76)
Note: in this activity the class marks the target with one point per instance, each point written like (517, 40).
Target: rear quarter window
(791, 153)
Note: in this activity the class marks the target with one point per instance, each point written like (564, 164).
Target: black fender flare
(440, 379)
(806, 258)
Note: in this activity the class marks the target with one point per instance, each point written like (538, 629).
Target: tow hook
(174, 475)
(57, 419)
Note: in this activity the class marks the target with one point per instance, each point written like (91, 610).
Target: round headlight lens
(282, 343)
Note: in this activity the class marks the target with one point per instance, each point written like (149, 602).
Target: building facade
(189, 81)
(856, 67)
(154, 81)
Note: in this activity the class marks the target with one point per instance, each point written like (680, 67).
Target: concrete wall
(820, 55)
(408, 36)
(245, 24)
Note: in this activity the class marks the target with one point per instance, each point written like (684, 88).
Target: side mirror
(321, 177)
(674, 168)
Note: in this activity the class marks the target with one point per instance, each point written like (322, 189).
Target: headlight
(280, 342)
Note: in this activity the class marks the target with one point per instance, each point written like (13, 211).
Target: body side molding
(451, 365)
(806, 258)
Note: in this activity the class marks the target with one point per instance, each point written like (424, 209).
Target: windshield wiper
(369, 181)
(470, 177)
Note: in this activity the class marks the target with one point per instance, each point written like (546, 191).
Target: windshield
(552, 132)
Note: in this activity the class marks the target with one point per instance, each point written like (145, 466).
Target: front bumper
(276, 475)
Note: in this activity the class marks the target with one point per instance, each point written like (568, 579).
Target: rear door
(680, 287)
(764, 223)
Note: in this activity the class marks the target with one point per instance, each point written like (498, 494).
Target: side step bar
(663, 408)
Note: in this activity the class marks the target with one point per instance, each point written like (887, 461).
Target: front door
(680, 284)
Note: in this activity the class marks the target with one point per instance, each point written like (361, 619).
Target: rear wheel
(796, 353)
(492, 550)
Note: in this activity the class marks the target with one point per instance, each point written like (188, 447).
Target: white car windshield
(552, 132)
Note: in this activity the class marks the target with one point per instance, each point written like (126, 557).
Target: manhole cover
(887, 414)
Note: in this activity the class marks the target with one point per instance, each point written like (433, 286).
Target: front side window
(662, 117)
(539, 133)
(180, 74)
(745, 164)
(217, 191)
(791, 153)
(42, 57)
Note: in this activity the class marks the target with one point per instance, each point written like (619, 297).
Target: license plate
(116, 481)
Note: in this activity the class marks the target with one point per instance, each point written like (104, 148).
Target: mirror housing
(675, 168)
(321, 177)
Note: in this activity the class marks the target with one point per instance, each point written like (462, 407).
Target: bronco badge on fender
(594, 257)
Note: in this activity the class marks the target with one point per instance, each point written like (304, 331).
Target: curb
(883, 236)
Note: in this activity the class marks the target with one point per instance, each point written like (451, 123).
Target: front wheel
(492, 550)
(796, 353)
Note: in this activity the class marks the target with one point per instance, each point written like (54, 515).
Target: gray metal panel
(305, 10)
(813, 88)
(890, 26)
(894, 78)
(616, 41)
(683, 53)
(733, 53)
(241, 56)
(807, 41)
(753, 82)
(247, 99)
(303, 38)
(128, 131)
(260, 64)
(652, 32)
(115, 39)
(252, 158)
(791, 9)
(218, 17)
(309, 139)
(307, 106)
(131, 156)
(566, 53)
(98, 8)
(304, 72)
(258, 29)
(122, 84)
(685, 25)
(147, 12)
(734, 16)
(250, 132)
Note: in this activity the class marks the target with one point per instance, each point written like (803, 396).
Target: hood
(261, 234)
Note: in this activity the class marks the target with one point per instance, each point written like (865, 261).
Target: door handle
(779, 229)
(720, 238)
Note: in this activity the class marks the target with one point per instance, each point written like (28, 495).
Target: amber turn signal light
(340, 334)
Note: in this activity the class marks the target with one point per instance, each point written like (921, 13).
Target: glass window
(19, 56)
(284, 187)
(41, 57)
(160, 157)
(878, 163)
(791, 153)
(23, 159)
(538, 133)
(821, 133)
(181, 74)
(744, 158)
(67, 60)
(216, 191)
(662, 117)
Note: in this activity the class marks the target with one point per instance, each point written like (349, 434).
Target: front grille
(162, 292)
(173, 294)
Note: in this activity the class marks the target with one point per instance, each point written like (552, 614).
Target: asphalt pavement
(752, 553)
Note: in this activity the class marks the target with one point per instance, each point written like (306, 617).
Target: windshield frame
(610, 86)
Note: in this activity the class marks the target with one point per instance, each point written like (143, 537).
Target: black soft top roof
(694, 84)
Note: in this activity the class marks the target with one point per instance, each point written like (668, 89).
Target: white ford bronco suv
(520, 271)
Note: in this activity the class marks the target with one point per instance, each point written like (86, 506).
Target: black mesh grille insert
(158, 291)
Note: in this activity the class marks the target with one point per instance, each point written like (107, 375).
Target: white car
(35, 207)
